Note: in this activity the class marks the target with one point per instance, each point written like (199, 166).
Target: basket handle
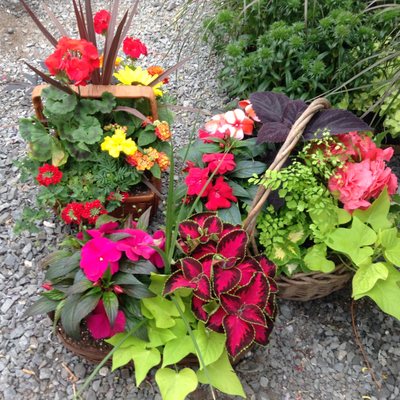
(96, 91)
(290, 143)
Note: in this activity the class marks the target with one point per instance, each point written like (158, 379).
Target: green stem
(105, 359)
(196, 346)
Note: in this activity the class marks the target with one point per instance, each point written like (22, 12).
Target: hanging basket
(301, 286)
(141, 197)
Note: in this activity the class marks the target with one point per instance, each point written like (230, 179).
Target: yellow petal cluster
(138, 76)
(118, 143)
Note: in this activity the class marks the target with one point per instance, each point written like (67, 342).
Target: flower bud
(118, 289)
(47, 286)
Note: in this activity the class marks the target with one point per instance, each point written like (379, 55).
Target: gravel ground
(312, 354)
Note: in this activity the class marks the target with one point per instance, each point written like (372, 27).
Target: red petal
(215, 320)
(204, 249)
(203, 290)
(239, 335)
(225, 279)
(198, 310)
(233, 244)
(213, 225)
(267, 266)
(176, 281)
(255, 292)
(191, 268)
(201, 217)
(262, 333)
(253, 315)
(248, 267)
(230, 303)
(189, 230)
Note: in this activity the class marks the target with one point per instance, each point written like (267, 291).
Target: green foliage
(176, 385)
(274, 45)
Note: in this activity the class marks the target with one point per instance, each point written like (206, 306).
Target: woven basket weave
(301, 286)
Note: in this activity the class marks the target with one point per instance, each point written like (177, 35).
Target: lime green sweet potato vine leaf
(366, 277)
(386, 293)
(176, 385)
(316, 260)
(391, 244)
(222, 377)
(354, 241)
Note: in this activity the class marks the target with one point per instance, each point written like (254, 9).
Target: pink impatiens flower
(357, 183)
(221, 163)
(99, 325)
(159, 241)
(97, 255)
(248, 109)
(137, 245)
(220, 195)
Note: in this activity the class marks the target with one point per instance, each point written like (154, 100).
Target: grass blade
(169, 71)
(35, 19)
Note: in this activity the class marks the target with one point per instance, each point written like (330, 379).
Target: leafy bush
(275, 45)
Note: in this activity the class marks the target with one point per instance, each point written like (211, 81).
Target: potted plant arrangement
(199, 313)
(98, 135)
(322, 194)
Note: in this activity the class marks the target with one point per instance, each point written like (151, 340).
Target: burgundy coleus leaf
(251, 313)
(267, 266)
(248, 267)
(262, 333)
(215, 320)
(226, 228)
(271, 309)
(184, 246)
(256, 292)
(212, 225)
(233, 244)
(239, 335)
(198, 310)
(225, 279)
(189, 230)
(177, 281)
(201, 217)
(204, 249)
(193, 271)
(273, 287)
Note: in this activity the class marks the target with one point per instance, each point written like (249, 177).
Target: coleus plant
(233, 292)
(100, 276)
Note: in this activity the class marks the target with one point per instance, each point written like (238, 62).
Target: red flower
(72, 213)
(47, 286)
(134, 48)
(75, 58)
(220, 195)
(48, 175)
(221, 163)
(157, 70)
(92, 210)
(196, 180)
(101, 21)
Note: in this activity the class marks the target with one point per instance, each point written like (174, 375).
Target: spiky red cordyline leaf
(35, 19)
(80, 21)
(215, 320)
(255, 292)
(225, 279)
(130, 18)
(239, 335)
(168, 72)
(189, 230)
(233, 244)
(198, 310)
(133, 111)
(91, 36)
(176, 281)
(213, 225)
(248, 267)
(267, 266)
(55, 21)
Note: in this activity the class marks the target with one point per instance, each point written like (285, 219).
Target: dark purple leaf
(80, 21)
(273, 132)
(269, 106)
(129, 20)
(55, 21)
(336, 121)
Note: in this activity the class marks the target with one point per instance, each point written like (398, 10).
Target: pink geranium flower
(221, 163)
(220, 195)
(99, 325)
(137, 245)
(196, 180)
(357, 183)
(97, 255)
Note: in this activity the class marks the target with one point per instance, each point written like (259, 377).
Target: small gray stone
(6, 305)
(264, 382)
(45, 373)
(104, 371)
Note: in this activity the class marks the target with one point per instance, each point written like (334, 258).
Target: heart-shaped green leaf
(176, 385)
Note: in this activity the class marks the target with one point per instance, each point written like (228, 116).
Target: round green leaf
(176, 385)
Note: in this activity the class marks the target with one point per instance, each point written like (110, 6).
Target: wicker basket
(301, 286)
(137, 203)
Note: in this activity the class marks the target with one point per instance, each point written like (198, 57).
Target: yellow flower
(138, 76)
(118, 143)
